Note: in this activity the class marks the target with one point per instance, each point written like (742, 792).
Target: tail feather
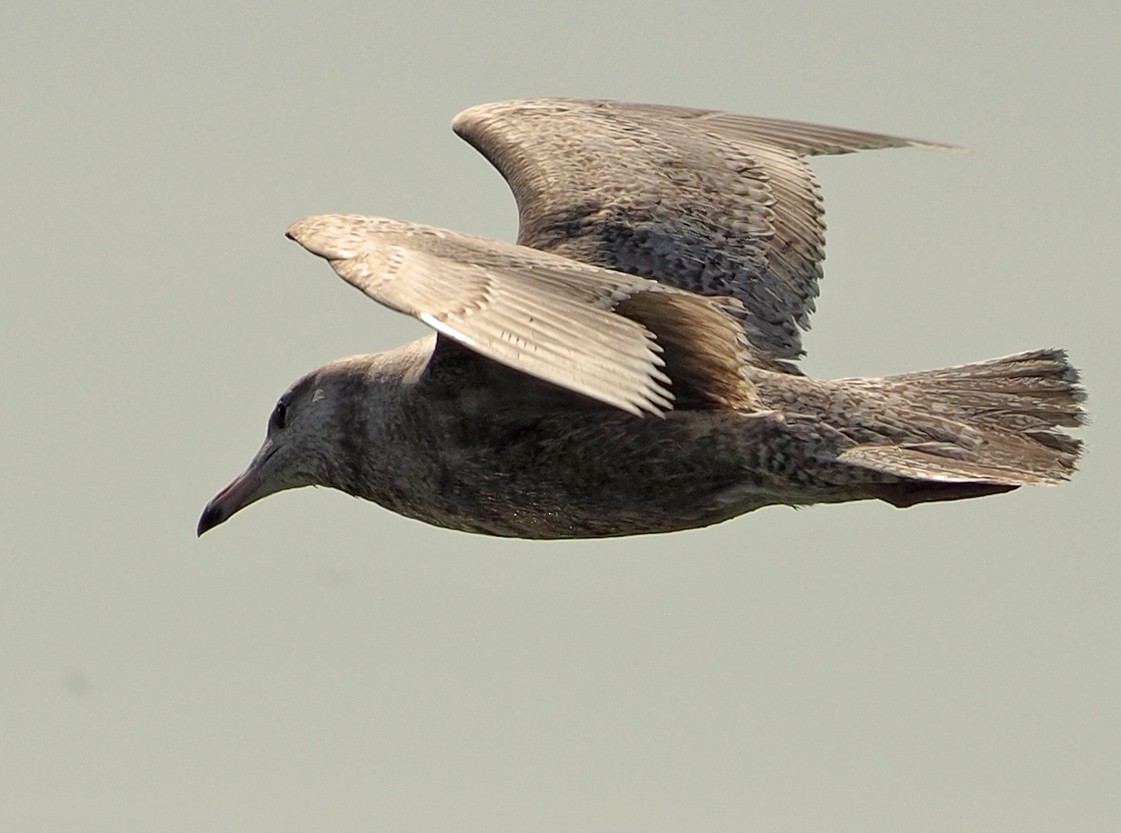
(996, 422)
(1035, 391)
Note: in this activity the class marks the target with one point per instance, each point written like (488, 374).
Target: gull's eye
(279, 416)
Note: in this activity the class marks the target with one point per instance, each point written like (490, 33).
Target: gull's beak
(249, 486)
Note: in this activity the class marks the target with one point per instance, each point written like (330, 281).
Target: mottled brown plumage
(628, 366)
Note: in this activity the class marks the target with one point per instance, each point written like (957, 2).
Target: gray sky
(321, 664)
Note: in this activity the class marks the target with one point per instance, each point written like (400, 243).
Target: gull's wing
(711, 202)
(610, 336)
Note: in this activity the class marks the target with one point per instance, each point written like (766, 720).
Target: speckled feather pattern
(628, 366)
(710, 202)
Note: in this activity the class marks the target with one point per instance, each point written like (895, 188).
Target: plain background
(320, 664)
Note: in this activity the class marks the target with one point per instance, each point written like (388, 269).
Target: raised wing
(590, 330)
(711, 202)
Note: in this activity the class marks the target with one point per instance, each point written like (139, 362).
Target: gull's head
(311, 436)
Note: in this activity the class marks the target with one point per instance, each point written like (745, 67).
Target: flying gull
(629, 366)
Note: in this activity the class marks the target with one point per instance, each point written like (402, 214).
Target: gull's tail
(969, 430)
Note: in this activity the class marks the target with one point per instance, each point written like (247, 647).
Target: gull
(629, 366)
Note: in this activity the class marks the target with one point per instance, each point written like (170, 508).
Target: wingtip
(296, 230)
(462, 121)
(300, 230)
(327, 235)
(944, 147)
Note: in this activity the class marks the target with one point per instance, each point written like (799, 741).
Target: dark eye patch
(279, 417)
